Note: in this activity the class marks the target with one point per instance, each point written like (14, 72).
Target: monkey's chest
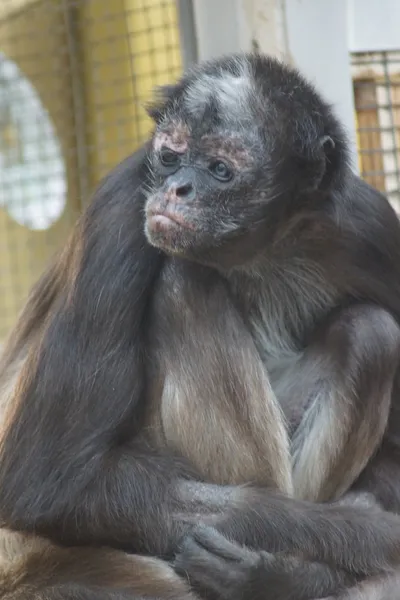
(277, 339)
(284, 374)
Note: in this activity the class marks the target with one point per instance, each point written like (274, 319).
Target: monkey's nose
(185, 191)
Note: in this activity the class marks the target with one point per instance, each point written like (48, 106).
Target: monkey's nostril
(185, 191)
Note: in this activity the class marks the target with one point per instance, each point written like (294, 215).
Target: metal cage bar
(376, 81)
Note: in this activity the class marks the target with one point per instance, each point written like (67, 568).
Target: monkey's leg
(347, 372)
(232, 572)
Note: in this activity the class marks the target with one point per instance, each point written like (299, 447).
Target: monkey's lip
(161, 220)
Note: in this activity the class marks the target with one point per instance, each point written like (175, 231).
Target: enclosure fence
(376, 78)
(74, 78)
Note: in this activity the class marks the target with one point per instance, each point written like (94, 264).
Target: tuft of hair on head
(163, 96)
(208, 87)
(228, 87)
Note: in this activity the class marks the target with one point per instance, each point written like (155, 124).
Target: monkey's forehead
(180, 135)
(214, 112)
(180, 139)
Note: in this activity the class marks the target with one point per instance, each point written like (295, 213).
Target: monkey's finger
(207, 570)
(213, 541)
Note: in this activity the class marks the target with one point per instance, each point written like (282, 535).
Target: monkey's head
(237, 142)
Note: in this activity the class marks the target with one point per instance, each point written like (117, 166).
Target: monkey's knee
(367, 327)
(363, 341)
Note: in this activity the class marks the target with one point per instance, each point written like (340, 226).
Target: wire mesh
(74, 78)
(376, 80)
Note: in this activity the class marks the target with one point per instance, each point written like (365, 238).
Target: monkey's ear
(313, 166)
(322, 155)
(163, 96)
(327, 143)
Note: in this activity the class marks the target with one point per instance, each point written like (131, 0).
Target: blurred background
(75, 75)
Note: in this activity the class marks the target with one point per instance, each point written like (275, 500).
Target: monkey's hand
(215, 565)
(221, 569)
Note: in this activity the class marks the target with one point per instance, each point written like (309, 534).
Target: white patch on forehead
(231, 92)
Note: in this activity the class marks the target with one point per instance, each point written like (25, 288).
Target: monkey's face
(204, 195)
(236, 140)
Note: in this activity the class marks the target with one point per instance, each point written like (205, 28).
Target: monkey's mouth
(163, 221)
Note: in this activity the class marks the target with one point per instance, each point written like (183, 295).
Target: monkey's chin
(168, 235)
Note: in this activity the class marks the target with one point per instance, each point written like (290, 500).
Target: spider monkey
(211, 364)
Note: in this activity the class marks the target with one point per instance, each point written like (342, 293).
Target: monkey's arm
(347, 373)
(74, 461)
(66, 449)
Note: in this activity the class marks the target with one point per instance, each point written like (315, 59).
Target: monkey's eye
(221, 171)
(168, 157)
